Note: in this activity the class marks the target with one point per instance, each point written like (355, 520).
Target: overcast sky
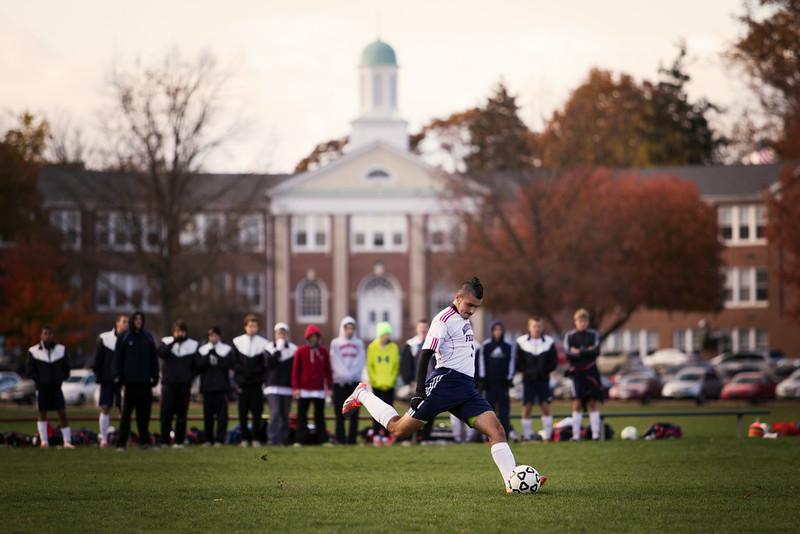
(295, 62)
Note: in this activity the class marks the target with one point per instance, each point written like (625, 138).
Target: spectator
(280, 360)
(136, 368)
(178, 353)
(496, 372)
(48, 366)
(250, 353)
(213, 362)
(536, 356)
(383, 365)
(583, 346)
(348, 358)
(311, 381)
(110, 394)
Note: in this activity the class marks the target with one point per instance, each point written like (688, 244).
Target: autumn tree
(783, 231)
(617, 122)
(769, 54)
(589, 238)
(323, 153)
(170, 222)
(35, 279)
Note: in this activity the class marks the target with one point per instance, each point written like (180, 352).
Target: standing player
(110, 395)
(451, 387)
(48, 366)
(583, 346)
(537, 357)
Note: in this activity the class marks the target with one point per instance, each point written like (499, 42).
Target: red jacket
(312, 365)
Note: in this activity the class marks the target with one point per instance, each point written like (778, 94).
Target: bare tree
(158, 214)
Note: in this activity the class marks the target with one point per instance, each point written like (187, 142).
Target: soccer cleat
(542, 480)
(351, 402)
(68, 445)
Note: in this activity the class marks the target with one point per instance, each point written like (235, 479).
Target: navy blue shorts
(536, 391)
(50, 400)
(109, 396)
(587, 385)
(450, 391)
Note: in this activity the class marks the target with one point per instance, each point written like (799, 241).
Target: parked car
(789, 387)
(563, 387)
(23, 393)
(8, 380)
(752, 386)
(697, 382)
(643, 387)
(728, 364)
(80, 387)
(666, 359)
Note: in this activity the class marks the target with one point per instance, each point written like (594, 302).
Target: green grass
(708, 481)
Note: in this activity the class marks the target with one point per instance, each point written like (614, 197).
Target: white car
(698, 383)
(729, 364)
(80, 387)
(664, 359)
(9, 380)
(789, 388)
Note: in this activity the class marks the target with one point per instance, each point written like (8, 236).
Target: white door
(378, 300)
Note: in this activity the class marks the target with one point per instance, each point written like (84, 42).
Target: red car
(643, 387)
(752, 386)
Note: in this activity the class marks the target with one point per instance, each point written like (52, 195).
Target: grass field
(707, 481)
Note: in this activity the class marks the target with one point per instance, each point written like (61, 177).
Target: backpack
(662, 431)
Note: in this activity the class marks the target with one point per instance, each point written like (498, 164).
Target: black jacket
(249, 355)
(536, 358)
(588, 341)
(213, 362)
(47, 367)
(179, 360)
(103, 365)
(135, 359)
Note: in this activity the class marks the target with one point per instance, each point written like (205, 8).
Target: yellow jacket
(383, 364)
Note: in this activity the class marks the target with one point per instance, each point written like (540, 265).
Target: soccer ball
(629, 432)
(524, 479)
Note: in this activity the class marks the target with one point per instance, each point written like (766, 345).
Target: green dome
(378, 53)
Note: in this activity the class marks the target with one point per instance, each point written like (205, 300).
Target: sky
(294, 64)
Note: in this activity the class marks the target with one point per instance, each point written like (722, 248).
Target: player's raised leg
(385, 414)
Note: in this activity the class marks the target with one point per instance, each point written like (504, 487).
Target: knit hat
(281, 326)
(383, 328)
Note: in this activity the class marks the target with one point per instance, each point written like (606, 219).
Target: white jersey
(450, 337)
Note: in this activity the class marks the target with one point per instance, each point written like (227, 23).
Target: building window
(742, 224)
(683, 339)
(310, 299)
(378, 232)
(745, 286)
(119, 231)
(68, 222)
(310, 233)
(741, 339)
(378, 175)
(444, 233)
(118, 291)
(202, 230)
(249, 291)
(251, 232)
(220, 285)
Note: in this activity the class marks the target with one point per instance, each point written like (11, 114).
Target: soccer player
(48, 366)
(451, 386)
(110, 395)
(348, 358)
(178, 353)
(250, 351)
(536, 357)
(213, 362)
(583, 346)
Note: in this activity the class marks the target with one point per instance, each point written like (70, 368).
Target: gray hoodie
(348, 355)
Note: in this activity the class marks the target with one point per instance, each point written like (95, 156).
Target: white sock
(42, 426)
(576, 424)
(527, 424)
(547, 426)
(67, 433)
(104, 419)
(379, 410)
(455, 423)
(594, 421)
(504, 459)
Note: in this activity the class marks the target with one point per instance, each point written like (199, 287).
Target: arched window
(310, 298)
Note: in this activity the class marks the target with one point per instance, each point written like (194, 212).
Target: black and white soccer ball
(524, 479)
